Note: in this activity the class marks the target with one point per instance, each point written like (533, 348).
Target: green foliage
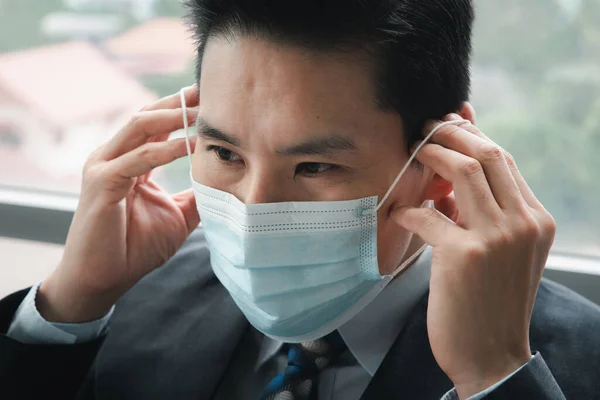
(20, 23)
(171, 8)
(555, 134)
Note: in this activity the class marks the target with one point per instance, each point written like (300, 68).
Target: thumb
(447, 206)
(430, 224)
(187, 204)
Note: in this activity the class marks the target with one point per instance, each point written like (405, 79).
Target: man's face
(282, 124)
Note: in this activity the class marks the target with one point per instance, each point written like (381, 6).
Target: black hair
(419, 49)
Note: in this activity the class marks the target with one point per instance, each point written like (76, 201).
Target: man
(305, 111)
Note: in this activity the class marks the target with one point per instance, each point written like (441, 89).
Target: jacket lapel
(409, 370)
(172, 336)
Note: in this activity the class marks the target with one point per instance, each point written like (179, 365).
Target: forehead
(257, 84)
(274, 96)
(256, 67)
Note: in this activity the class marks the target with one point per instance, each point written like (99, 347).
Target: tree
(20, 23)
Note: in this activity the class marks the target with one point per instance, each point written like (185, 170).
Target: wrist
(488, 374)
(60, 302)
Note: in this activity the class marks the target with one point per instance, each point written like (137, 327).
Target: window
(21, 266)
(72, 71)
(536, 86)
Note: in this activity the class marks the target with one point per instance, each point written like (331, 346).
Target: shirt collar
(371, 333)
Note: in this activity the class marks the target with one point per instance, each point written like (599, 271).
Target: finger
(473, 194)
(187, 204)
(173, 100)
(447, 206)
(147, 157)
(523, 186)
(490, 156)
(431, 225)
(163, 137)
(143, 126)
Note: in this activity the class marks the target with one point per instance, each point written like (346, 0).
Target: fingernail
(454, 117)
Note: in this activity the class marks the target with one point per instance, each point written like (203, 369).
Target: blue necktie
(305, 362)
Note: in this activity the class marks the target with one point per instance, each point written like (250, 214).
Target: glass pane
(24, 263)
(536, 87)
(73, 71)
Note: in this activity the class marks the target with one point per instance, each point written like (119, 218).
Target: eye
(313, 168)
(224, 154)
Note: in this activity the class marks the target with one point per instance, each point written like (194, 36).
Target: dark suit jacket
(174, 334)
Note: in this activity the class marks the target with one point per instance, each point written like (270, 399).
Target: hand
(487, 266)
(125, 225)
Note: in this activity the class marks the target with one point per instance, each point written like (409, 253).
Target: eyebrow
(320, 146)
(210, 132)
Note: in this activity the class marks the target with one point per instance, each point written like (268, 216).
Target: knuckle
(90, 161)
(470, 168)
(469, 126)
(450, 130)
(147, 150)
(510, 160)
(491, 152)
(548, 224)
(88, 165)
(94, 175)
(146, 108)
(136, 119)
(433, 151)
(149, 154)
(528, 228)
(94, 157)
(504, 235)
(474, 251)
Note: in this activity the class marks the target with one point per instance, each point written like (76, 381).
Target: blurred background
(72, 71)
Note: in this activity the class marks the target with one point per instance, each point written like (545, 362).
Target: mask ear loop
(410, 160)
(410, 259)
(185, 127)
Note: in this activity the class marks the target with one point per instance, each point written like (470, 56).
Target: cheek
(392, 243)
(393, 240)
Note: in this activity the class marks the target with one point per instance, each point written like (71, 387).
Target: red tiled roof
(22, 171)
(158, 37)
(70, 82)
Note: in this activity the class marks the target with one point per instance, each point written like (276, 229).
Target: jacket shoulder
(564, 329)
(561, 308)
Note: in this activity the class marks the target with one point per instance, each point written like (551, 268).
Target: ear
(438, 188)
(442, 193)
(467, 112)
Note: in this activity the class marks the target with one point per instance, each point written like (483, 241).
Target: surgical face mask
(297, 270)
